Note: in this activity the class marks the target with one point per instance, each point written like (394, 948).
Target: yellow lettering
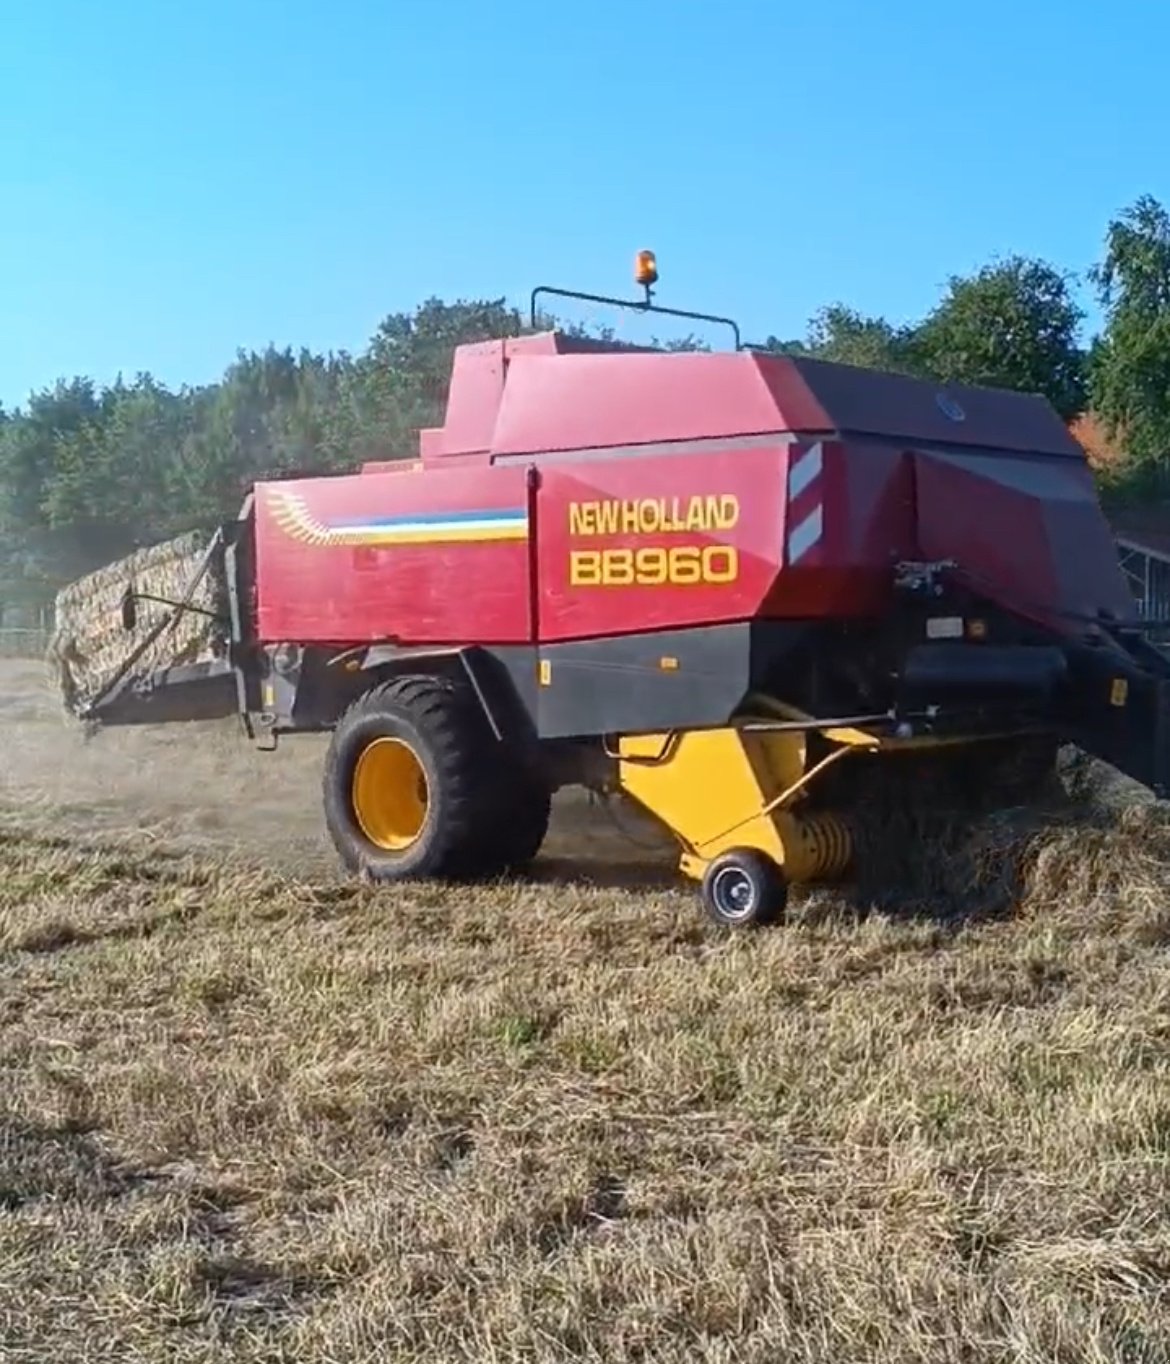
(654, 515)
(585, 568)
(686, 566)
(654, 566)
(719, 564)
(607, 518)
(618, 567)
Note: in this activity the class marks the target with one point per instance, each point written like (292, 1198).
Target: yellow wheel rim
(390, 796)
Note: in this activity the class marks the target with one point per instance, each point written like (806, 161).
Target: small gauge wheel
(744, 888)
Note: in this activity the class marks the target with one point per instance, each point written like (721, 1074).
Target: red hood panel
(868, 402)
(1028, 530)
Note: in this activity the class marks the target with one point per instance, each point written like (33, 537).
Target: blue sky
(178, 180)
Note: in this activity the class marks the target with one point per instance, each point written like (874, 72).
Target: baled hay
(1074, 854)
(90, 648)
(1101, 867)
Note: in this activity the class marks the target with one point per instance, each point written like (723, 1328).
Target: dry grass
(250, 1113)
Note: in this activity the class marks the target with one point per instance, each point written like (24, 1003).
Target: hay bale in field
(90, 648)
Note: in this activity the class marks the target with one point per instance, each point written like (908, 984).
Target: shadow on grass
(59, 1162)
(590, 870)
(54, 935)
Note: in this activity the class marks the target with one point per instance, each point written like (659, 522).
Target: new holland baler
(757, 595)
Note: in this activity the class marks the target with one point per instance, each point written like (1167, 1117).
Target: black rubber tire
(754, 880)
(529, 805)
(443, 724)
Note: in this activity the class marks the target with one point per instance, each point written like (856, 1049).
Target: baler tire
(443, 726)
(751, 877)
(526, 827)
(516, 827)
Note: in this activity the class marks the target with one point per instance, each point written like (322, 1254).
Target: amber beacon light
(646, 271)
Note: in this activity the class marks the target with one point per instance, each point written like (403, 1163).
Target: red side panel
(651, 542)
(879, 505)
(850, 516)
(431, 557)
(1029, 528)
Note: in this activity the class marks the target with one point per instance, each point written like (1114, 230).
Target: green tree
(39, 446)
(30, 444)
(269, 416)
(1012, 325)
(116, 472)
(848, 337)
(843, 335)
(1130, 367)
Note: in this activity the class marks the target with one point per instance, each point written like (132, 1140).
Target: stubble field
(250, 1112)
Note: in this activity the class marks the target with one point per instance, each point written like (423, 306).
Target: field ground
(249, 1112)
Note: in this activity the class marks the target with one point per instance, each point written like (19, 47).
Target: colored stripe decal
(435, 519)
(296, 520)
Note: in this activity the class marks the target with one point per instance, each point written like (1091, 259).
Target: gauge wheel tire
(744, 888)
(425, 732)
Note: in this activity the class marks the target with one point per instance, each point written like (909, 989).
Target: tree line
(88, 473)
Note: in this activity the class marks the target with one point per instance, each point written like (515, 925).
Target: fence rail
(1148, 575)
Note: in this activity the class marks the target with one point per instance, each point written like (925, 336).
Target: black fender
(308, 688)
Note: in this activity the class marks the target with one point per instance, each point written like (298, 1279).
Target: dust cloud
(205, 788)
(194, 786)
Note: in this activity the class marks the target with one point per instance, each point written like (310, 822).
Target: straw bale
(89, 646)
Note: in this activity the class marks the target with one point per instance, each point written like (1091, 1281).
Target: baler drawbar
(759, 596)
